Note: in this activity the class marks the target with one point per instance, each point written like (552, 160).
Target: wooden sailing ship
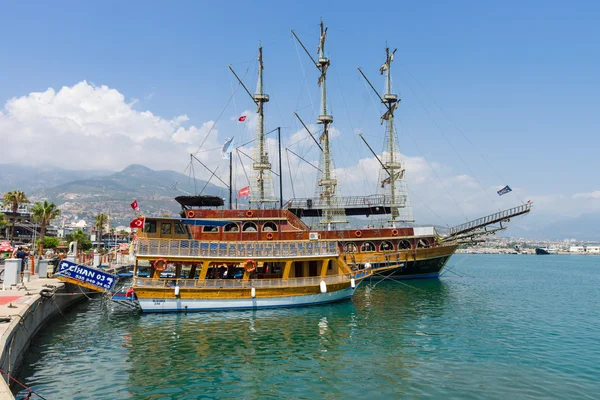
(267, 256)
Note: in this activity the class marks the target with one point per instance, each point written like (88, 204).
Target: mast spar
(262, 191)
(393, 175)
(327, 191)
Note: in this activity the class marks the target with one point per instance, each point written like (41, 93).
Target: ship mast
(261, 188)
(327, 192)
(392, 173)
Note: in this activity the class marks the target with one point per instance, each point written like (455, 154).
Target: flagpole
(230, 181)
(280, 172)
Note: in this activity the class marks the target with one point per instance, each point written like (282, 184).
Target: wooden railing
(236, 250)
(240, 283)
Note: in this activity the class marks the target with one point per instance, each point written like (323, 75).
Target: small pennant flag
(225, 152)
(137, 223)
(242, 118)
(135, 206)
(504, 190)
(244, 192)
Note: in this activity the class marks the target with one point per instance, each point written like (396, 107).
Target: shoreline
(24, 313)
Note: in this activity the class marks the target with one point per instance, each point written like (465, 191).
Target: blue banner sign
(89, 277)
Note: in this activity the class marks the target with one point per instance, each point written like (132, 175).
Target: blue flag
(225, 151)
(504, 190)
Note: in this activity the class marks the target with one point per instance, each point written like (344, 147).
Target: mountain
(584, 227)
(112, 193)
(32, 179)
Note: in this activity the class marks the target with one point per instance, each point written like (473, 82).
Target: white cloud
(86, 126)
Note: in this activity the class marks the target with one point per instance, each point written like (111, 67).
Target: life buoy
(249, 213)
(190, 213)
(358, 233)
(250, 266)
(270, 236)
(395, 232)
(160, 265)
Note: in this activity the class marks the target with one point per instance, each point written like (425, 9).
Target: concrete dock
(23, 312)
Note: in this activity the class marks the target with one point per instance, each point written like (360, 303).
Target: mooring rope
(31, 391)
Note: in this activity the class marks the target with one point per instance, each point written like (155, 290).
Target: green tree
(3, 222)
(44, 213)
(14, 198)
(79, 236)
(50, 242)
(101, 220)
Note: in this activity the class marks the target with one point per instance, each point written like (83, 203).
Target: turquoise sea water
(509, 326)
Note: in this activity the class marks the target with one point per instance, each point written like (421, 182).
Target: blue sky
(520, 79)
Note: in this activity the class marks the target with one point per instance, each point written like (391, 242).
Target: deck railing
(240, 283)
(236, 250)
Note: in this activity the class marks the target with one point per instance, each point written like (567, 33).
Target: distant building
(577, 249)
(592, 249)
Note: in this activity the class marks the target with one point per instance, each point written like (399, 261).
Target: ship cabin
(169, 251)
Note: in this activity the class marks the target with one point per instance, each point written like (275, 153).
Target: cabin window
(351, 248)
(269, 227)
(386, 246)
(404, 245)
(210, 229)
(423, 243)
(231, 228)
(165, 228)
(366, 247)
(179, 228)
(249, 227)
(150, 227)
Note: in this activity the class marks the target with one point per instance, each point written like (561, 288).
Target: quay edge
(31, 314)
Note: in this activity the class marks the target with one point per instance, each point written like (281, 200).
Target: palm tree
(14, 198)
(101, 220)
(44, 213)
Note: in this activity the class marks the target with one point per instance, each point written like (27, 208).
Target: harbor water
(493, 326)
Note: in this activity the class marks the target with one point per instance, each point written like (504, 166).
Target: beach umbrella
(5, 246)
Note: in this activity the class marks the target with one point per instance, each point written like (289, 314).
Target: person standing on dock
(23, 256)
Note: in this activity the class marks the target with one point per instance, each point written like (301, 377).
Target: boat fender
(323, 286)
(367, 265)
(177, 290)
(160, 265)
(352, 283)
(253, 292)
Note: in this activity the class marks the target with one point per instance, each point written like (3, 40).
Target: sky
(493, 93)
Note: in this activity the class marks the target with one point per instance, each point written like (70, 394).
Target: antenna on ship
(332, 209)
(262, 191)
(391, 175)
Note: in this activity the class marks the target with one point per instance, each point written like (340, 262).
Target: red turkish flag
(137, 223)
(244, 191)
(134, 205)
(242, 118)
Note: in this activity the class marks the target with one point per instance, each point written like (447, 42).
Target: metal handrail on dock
(490, 219)
(240, 283)
(236, 250)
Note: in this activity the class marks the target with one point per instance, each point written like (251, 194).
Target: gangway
(478, 227)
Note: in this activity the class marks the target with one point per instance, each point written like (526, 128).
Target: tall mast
(392, 175)
(327, 190)
(262, 188)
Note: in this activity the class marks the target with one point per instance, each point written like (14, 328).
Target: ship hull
(540, 251)
(158, 305)
(422, 264)
(421, 269)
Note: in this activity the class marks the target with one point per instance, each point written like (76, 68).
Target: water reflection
(337, 350)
